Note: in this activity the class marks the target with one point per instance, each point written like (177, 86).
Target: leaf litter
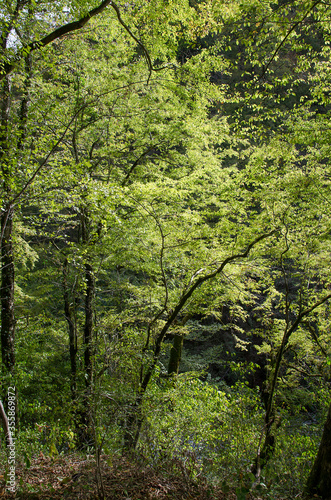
(75, 478)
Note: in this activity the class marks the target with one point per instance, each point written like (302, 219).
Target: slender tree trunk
(5, 425)
(175, 355)
(7, 256)
(7, 215)
(7, 292)
(72, 332)
(86, 418)
(89, 300)
(88, 329)
(319, 480)
(86, 434)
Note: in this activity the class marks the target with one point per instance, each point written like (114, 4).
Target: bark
(24, 108)
(319, 480)
(83, 414)
(81, 411)
(7, 215)
(89, 299)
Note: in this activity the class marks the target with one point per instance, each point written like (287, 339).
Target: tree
(135, 418)
(319, 478)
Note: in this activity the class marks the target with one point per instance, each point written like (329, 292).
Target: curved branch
(141, 45)
(136, 163)
(187, 294)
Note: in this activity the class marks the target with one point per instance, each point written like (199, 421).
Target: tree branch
(54, 35)
(187, 294)
(279, 46)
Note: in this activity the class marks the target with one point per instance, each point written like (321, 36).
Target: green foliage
(154, 179)
(205, 429)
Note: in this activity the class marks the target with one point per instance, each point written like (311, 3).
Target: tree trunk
(5, 425)
(85, 418)
(88, 329)
(72, 332)
(7, 257)
(319, 480)
(175, 355)
(7, 215)
(7, 292)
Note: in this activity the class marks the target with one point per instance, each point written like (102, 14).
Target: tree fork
(7, 292)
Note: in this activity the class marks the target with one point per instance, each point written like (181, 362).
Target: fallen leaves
(73, 477)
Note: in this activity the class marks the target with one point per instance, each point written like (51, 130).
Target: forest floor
(73, 477)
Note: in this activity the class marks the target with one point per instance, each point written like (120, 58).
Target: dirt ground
(76, 478)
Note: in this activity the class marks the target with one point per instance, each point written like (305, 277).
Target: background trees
(165, 179)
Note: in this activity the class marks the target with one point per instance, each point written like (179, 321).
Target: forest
(165, 193)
